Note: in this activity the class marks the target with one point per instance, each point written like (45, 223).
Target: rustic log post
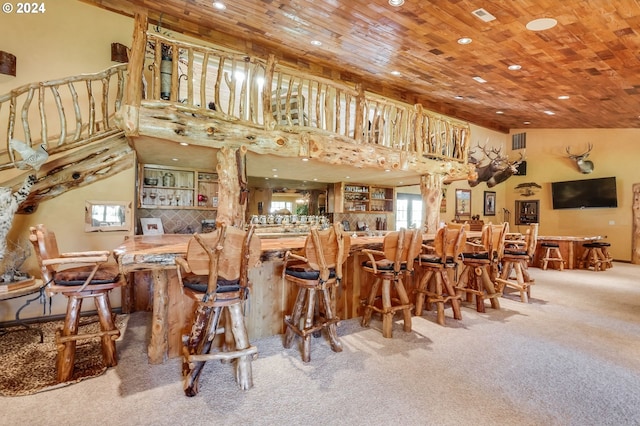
(133, 95)
(67, 349)
(635, 254)
(431, 190)
(159, 341)
(230, 210)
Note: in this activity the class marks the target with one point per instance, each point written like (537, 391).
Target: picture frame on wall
(151, 226)
(463, 204)
(489, 203)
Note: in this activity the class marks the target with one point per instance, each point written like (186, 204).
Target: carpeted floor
(29, 366)
(570, 357)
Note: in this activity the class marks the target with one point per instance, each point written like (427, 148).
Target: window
(276, 206)
(408, 211)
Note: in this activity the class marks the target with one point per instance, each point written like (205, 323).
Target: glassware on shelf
(153, 196)
(162, 198)
(170, 197)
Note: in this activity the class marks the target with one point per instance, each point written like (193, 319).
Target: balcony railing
(240, 88)
(38, 113)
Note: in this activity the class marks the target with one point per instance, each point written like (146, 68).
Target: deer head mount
(585, 166)
(497, 170)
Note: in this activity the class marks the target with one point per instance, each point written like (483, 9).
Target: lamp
(7, 63)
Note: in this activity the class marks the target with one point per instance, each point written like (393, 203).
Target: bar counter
(148, 263)
(570, 248)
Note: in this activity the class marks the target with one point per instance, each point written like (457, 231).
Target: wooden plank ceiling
(592, 55)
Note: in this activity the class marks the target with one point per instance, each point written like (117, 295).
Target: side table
(36, 287)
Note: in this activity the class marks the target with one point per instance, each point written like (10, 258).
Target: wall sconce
(7, 63)
(119, 53)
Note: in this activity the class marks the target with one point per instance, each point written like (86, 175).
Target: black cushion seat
(308, 274)
(550, 245)
(199, 284)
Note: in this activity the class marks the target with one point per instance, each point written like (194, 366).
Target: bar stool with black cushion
(552, 254)
(317, 270)
(78, 276)
(435, 263)
(214, 273)
(605, 257)
(516, 260)
(480, 268)
(596, 256)
(389, 265)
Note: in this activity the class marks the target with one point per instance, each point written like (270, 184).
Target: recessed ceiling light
(275, 176)
(305, 159)
(541, 24)
(479, 79)
(219, 5)
(387, 170)
(395, 72)
(347, 177)
(396, 2)
(316, 42)
(549, 112)
(526, 123)
(458, 97)
(563, 97)
(274, 170)
(184, 144)
(175, 159)
(499, 112)
(464, 40)
(514, 67)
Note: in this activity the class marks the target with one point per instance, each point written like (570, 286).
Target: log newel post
(134, 87)
(431, 191)
(231, 199)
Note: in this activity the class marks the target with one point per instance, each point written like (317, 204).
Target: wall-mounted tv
(586, 193)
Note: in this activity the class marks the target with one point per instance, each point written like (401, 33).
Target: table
(36, 287)
(570, 248)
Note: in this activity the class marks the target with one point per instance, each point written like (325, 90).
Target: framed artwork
(463, 204)
(489, 203)
(151, 226)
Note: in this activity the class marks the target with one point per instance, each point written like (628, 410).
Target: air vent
(519, 141)
(484, 15)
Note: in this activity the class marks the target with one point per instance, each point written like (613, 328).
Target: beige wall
(70, 38)
(615, 153)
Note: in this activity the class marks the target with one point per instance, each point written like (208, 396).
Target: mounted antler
(498, 170)
(585, 166)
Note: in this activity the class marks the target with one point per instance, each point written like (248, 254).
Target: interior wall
(64, 215)
(615, 153)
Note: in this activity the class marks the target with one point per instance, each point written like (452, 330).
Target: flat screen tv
(586, 193)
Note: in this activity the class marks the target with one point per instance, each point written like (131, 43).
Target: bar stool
(91, 278)
(390, 265)
(435, 284)
(319, 269)
(516, 260)
(596, 256)
(552, 254)
(481, 267)
(214, 273)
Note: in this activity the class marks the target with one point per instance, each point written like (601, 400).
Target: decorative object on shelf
(151, 181)
(528, 189)
(168, 179)
(489, 203)
(151, 226)
(497, 170)
(584, 166)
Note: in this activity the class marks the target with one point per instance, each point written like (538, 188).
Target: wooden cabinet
(527, 211)
(177, 188)
(356, 198)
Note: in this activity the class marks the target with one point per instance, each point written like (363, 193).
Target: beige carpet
(570, 357)
(29, 366)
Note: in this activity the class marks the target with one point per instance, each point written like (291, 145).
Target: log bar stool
(481, 267)
(94, 279)
(596, 255)
(399, 251)
(552, 254)
(319, 269)
(436, 263)
(516, 260)
(214, 273)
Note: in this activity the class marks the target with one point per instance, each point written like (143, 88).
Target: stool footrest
(226, 356)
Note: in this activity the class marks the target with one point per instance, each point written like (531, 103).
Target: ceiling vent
(484, 15)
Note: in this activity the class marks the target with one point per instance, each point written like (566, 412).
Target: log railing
(265, 93)
(34, 112)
